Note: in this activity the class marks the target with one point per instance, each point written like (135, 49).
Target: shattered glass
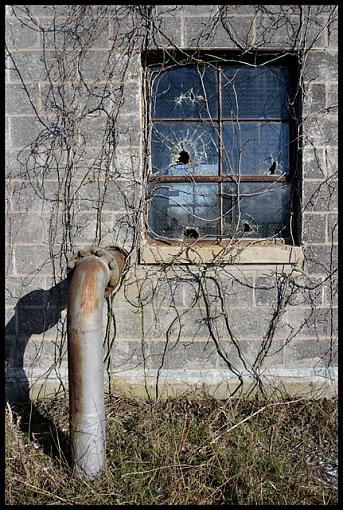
(198, 141)
(254, 92)
(186, 210)
(188, 92)
(256, 209)
(185, 141)
(250, 148)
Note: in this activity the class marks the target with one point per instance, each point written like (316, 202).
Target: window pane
(188, 92)
(254, 92)
(263, 211)
(181, 149)
(181, 211)
(252, 148)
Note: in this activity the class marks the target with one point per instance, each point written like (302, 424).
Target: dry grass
(180, 451)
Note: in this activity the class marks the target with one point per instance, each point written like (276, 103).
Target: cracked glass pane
(183, 211)
(254, 92)
(188, 92)
(263, 211)
(255, 148)
(184, 149)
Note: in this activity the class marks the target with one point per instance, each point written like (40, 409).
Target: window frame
(290, 60)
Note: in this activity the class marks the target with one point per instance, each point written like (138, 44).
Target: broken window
(220, 159)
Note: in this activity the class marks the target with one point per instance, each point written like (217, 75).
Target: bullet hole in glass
(246, 227)
(183, 157)
(191, 233)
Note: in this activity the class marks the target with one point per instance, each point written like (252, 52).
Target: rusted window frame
(290, 61)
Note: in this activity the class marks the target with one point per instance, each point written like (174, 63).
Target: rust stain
(75, 376)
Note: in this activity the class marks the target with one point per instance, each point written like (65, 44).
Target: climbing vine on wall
(86, 164)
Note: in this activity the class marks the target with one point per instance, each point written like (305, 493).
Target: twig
(254, 414)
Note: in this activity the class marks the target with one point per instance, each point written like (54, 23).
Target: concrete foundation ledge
(308, 383)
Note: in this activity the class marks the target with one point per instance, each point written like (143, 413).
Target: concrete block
(21, 34)
(182, 354)
(332, 96)
(320, 259)
(132, 323)
(203, 32)
(75, 32)
(321, 66)
(10, 324)
(20, 101)
(96, 130)
(187, 10)
(314, 228)
(77, 98)
(30, 259)
(314, 99)
(330, 286)
(131, 99)
(298, 291)
(321, 130)
(36, 65)
(126, 163)
(254, 352)
(9, 263)
(27, 228)
(167, 32)
(35, 321)
(17, 288)
(332, 32)
(50, 10)
(25, 130)
(314, 166)
(111, 195)
(226, 292)
(331, 159)
(320, 196)
(42, 354)
(310, 322)
(332, 228)
(311, 353)
(27, 197)
(247, 322)
(127, 355)
(120, 231)
(277, 30)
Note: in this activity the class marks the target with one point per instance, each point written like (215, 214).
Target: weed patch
(180, 451)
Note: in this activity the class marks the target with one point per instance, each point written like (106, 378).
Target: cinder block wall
(76, 176)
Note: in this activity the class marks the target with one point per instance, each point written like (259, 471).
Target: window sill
(241, 252)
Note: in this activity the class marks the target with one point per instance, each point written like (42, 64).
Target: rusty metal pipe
(90, 279)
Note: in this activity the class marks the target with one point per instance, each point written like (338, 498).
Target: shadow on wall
(35, 313)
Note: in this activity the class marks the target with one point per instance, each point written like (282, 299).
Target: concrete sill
(241, 252)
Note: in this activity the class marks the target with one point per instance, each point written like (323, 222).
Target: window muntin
(213, 124)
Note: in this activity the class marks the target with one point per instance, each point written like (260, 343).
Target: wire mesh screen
(208, 122)
(255, 148)
(186, 210)
(254, 92)
(256, 210)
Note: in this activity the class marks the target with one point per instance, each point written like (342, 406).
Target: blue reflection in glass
(254, 92)
(253, 147)
(188, 92)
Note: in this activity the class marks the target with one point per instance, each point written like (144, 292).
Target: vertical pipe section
(85, 356)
